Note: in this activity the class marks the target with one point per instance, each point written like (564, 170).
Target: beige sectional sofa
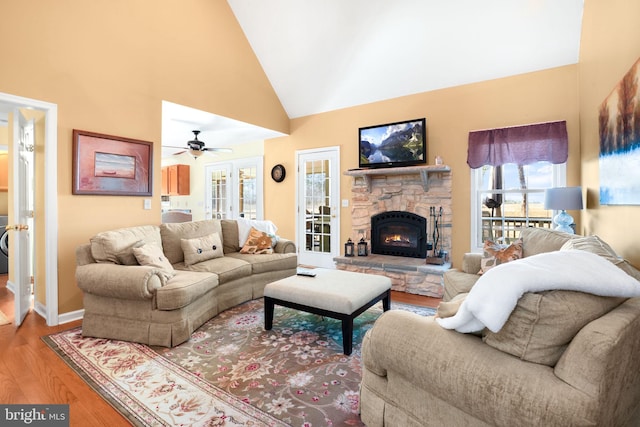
(563, 358)
(163, 305)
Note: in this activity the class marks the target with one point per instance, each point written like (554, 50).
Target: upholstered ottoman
(338, 294)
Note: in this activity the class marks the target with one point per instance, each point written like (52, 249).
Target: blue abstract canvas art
(619, 125)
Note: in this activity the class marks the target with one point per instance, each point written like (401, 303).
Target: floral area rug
(232, 372)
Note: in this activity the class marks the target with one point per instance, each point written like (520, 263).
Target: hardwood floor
(30, 373)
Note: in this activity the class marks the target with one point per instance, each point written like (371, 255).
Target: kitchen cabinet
(176, 180)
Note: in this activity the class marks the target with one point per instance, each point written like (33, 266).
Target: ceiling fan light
(196, 153)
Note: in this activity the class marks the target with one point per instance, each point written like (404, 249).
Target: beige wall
(610, 45)
(108, 66)
(451, 114)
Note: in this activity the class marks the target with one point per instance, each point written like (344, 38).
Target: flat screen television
(393, 144)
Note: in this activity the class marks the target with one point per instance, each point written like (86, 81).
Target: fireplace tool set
(437, 254)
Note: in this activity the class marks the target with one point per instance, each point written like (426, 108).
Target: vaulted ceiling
(324, 55)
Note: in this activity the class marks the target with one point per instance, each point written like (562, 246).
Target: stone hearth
(413, 189)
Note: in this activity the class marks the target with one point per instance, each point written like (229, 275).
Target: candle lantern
(348, 247)
(363, 249)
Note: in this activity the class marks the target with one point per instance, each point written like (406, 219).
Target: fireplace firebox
(399, 233)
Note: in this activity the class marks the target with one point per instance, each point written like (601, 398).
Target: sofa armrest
(602, 361)
(284, 246)
(133, 282)
(471, 262)
(461, 370)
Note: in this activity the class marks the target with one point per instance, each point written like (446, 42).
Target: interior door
(22, 229)
(318, 197)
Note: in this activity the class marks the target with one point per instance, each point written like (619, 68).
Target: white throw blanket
(496, 293)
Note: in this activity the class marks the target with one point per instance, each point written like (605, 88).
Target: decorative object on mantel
(563, 198)
(349, 247)
(438, 160)
(437, 255)
(363, 249)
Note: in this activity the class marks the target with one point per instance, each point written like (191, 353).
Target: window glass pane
(317, 215)
(248, 202)
(512, 197)
(219, 193)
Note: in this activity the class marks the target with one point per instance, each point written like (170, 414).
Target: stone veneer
(414, 189)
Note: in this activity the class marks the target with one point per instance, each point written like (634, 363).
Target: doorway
(318, 196)
(47, 236)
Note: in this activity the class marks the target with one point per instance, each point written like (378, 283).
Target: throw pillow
(151, 254)
(201, 249)
(596, 245)
(543, 324)
(494, 254)
(245, 226)
(258, 242)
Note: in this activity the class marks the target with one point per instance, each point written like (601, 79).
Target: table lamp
(563, 199)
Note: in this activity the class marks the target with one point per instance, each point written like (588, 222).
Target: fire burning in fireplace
(397, 239)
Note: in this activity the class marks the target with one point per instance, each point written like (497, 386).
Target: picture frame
(111, 165)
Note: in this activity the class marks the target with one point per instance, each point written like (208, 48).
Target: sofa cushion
(270, 262)
(230, 235)
(596, 245)
(543, 324)
(116, 246)
(457, 282)
(151, 254)
(226, 268)
(258, 243)
(494, 254)
(201, 248)
(172, 235)
(184, 288)
(536, 240)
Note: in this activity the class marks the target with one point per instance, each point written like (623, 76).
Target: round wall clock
(278, 173)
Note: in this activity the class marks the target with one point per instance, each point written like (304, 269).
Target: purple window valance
(521, 145)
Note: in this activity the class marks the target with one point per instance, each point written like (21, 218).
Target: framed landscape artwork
(619, 126)
(111, 165)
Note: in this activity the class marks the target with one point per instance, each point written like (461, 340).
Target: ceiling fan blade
(218, 149)
(174, 146)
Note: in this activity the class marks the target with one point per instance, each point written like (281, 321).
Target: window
(508, 197)
(510, 169)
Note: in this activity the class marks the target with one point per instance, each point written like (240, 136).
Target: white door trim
(50, 197)
(335, 199)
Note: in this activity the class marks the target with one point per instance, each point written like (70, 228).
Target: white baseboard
(41, 309)
(71, 316)
(11, 286)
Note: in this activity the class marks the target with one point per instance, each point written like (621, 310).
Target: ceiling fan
(196, 147)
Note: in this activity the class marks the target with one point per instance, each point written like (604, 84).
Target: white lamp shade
(563, 198)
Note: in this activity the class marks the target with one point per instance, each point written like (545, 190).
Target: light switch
(345, 203)
(147, 204)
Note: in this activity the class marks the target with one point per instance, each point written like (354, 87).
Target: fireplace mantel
(423, 171)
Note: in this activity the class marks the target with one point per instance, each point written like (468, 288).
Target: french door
(318, 197)
(234, 189)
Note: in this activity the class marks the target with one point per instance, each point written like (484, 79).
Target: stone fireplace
(382, 195)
